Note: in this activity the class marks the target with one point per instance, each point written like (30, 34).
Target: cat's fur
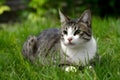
(74, 40)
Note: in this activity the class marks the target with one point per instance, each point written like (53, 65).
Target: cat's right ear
(63, 18)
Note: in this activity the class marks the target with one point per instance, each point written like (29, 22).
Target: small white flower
(90, 67)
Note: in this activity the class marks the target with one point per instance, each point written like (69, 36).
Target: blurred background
(22, 18)
(17, 10)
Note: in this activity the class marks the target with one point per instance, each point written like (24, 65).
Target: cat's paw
(28, 47)
(70, 69)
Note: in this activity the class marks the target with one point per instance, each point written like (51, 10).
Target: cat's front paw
(70, 69)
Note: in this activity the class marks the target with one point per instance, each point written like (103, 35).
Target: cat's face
(75, 32)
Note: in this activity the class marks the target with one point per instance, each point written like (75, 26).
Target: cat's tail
(29, 48)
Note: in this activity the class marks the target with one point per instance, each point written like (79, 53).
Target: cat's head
(75, 32)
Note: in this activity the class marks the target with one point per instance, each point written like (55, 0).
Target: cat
(73, 44)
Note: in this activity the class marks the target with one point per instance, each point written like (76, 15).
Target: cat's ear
(86, 17)
(63, 18)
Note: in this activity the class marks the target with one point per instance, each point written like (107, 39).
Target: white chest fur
(81, 54)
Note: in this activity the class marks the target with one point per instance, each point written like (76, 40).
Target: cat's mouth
(69, 44)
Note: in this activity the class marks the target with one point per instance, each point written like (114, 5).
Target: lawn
(14, 67)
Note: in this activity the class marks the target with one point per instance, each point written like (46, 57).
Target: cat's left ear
(63, 18)
(86, 17)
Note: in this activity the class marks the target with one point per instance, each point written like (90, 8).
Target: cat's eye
(65, 32)
(77, 32)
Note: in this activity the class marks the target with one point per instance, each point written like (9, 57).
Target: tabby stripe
(86, 38)
(87, 33)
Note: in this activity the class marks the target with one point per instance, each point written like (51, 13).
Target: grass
(14, 67)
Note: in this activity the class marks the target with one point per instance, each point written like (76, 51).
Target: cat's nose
(70, 39)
